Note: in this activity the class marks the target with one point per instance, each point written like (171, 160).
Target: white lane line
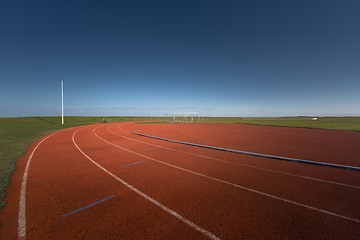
(22, 201)
(234, 184)
(160, 205)
(234, 163)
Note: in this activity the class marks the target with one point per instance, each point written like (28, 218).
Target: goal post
(186, 117)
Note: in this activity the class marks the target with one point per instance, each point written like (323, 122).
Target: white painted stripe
(160, 205)
(235, 185)
(234, 163)
(22, 201)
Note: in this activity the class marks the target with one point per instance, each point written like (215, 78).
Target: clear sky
(219, 58)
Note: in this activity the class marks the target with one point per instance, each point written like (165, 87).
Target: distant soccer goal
(186, 117)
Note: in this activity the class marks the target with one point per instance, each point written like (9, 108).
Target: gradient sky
(219, 58)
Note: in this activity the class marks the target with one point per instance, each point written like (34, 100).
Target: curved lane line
(22, 201)
(234, 184)
(234, 163)
(137, 191)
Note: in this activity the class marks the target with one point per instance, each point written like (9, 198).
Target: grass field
(334, 123)
(17, 133)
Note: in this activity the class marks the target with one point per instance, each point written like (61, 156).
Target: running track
(102, 182)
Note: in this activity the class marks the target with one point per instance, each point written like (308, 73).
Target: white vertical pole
(62, 102)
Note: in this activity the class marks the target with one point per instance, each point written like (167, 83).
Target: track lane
(280, 141)
(133, 145)
(156, 145)
(62, 180)
(22, 199)
(254, 154)
(295, 189)
(146, 197)
(235, 163)
(352, 178)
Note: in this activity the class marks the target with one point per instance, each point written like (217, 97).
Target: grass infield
(16, 134)
(333, 123)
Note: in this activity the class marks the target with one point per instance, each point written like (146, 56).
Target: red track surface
(228, 195)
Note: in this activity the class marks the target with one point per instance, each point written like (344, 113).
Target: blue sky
(219, 58)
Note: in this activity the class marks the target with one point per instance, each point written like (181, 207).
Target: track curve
(100, 181)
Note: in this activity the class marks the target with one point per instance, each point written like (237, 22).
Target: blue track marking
(88, 206)
(297, 160)
(130, 164)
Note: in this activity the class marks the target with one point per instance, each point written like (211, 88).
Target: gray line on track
(234, 163)
(131, 164)
(87, 206)
(296, 160)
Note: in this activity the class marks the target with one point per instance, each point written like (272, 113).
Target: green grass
(333, 123)
(17, 133)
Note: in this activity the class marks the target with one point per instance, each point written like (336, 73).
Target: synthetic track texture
(61, 180)
(296, 160)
